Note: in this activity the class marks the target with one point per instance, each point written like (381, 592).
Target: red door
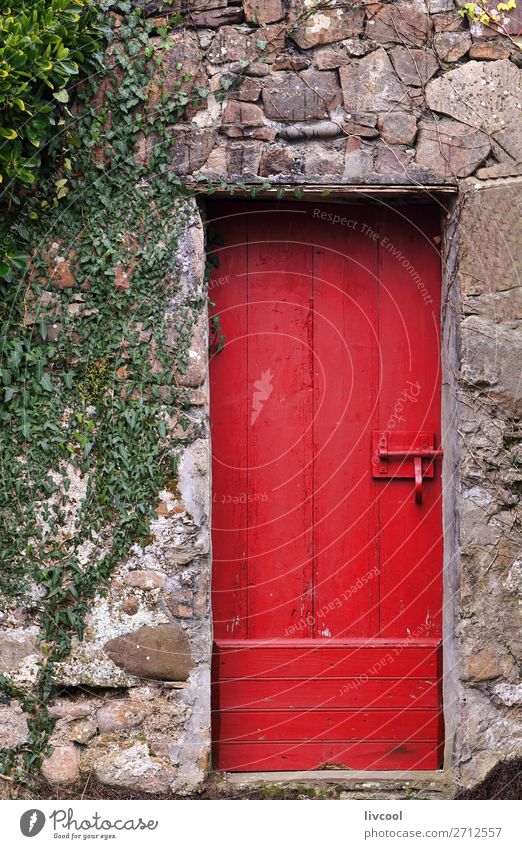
(327, 536)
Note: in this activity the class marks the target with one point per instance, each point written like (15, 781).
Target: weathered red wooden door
(327, 538)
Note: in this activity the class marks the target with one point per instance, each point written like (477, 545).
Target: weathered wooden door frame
(443, 200)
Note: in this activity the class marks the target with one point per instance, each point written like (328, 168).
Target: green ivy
(87, 379)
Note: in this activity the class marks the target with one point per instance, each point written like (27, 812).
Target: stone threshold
(400, 784)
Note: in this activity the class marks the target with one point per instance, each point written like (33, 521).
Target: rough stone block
(191, 148)
(491, 357)
(263, 11)
(398, 128)
(234, 160)
(161, 653)
(371, 85)
(13, 725)
(134, 769)
(489, 50)
(288, 96)
(400, 23)
(118, 714)
(323, 26)
(277, 160)
(451, 149)
(392, 160)
(358, 160)
(414, 67)
(63, 766)
(485, 96)
(145, 579)
(238, 112)
(321, 160)
(15, 646)
(451, 46)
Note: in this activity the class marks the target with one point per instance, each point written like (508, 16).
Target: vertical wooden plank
(280, 446)
(346, 600)
(229, 425)
(411, 534)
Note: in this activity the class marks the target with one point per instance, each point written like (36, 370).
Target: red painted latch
(404, 454)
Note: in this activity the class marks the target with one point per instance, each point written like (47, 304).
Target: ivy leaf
(61, 96)
(9, 393)
(45, 383)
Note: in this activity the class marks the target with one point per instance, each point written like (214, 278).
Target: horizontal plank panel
(265, 726)
(324, 660)
(241, 757)
(325, 693)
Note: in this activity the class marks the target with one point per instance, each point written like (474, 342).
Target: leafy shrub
(43, 45)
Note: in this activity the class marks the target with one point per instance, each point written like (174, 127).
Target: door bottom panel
(282, 705)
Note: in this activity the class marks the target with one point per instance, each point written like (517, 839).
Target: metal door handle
(418, 456)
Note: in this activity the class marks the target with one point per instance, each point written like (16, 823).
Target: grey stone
(145, 579)
(321, 160)
(15, 646)
(191, 148)
(414, 67)
(494, 210)
(288, 96)
(486, 96)
(277, 160)
(263, 11)
(233, 44)
(451, 46)
(371, 85)
(324, 26)
(214, 18)
(82, 730)
(358, 160)
(13, 726)
(398, 128)
(134, 769)
(508, 694)
(308, 130)
(392, 159)
(195, 370)
(63, 765)
(357, 47)
(230, 45)
(451, 149)
(489, 50)
(513, 582)
(160, 653)
(491, 357)
(401, 23)
(120, 713)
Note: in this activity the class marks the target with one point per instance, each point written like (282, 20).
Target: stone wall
(485, 294)
(373, 92)
(376, 94)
